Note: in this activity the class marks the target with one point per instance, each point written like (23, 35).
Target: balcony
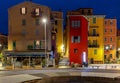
(93, 46)
(34, 14)
(94, 26)
(93, 35)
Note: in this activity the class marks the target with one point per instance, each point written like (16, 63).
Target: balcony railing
(94, 26)
(93, 34)
(93, 46)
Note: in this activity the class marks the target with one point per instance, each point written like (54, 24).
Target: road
(17, 72)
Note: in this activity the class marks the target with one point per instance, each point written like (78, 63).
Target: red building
(77, 34)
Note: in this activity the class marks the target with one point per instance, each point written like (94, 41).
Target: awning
(25, 54)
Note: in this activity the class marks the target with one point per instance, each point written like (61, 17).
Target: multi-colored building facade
(110, 39)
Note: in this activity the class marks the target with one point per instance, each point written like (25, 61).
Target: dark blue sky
(110, 8)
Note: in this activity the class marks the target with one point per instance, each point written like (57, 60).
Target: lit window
(111, 22)
(37, 10)
(23, 10)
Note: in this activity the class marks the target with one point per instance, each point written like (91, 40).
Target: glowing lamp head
(44, 20)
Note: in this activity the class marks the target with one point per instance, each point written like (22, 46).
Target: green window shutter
(34, 44)
(14, 44)
(94, 20)
(95, 51)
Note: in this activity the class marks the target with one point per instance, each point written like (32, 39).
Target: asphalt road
(47, 70)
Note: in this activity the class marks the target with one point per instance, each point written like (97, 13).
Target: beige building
(28, 33)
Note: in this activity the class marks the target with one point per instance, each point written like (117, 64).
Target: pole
(45, 46)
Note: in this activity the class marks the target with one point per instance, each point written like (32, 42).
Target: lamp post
(45, 21)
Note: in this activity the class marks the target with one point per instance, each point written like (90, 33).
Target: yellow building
(95, 39)
(58, 25)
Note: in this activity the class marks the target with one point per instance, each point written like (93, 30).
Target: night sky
(110, 8)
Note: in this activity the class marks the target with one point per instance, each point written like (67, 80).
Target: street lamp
(44, 20)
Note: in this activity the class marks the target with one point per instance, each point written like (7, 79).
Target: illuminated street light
(106, 47)
(0, 45)
(44, 20)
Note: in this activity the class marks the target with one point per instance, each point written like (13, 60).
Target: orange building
(110, 37)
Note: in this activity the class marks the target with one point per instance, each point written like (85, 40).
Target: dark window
(75, 51)
(105, 56)
(14, 44)
(82, 11)
(105, 39)
(111, 39)
(23, 32)
(89, 11)
(110, 55)
(110, 30)
(75, 39)
(23, 22)
(56, 22)
(37, 22)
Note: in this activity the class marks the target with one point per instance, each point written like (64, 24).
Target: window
(36, 44)
(82, 11)
(111, 22)
(56, 22)
(37, 11)
(14, 44)
(110, 55)
(75, 39)
(23, 22)
(76, 24)
(23, 10)
(105, 30)
(75, 51)
(89, 11)
(94, 20)
(111, 47)
(110, 30)
(95, 42)
(105, 39)
(37, 32)
(111, 39)
(23, 32)
(105, 22)
(95, 51)
(37, 21)
(105, 56)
